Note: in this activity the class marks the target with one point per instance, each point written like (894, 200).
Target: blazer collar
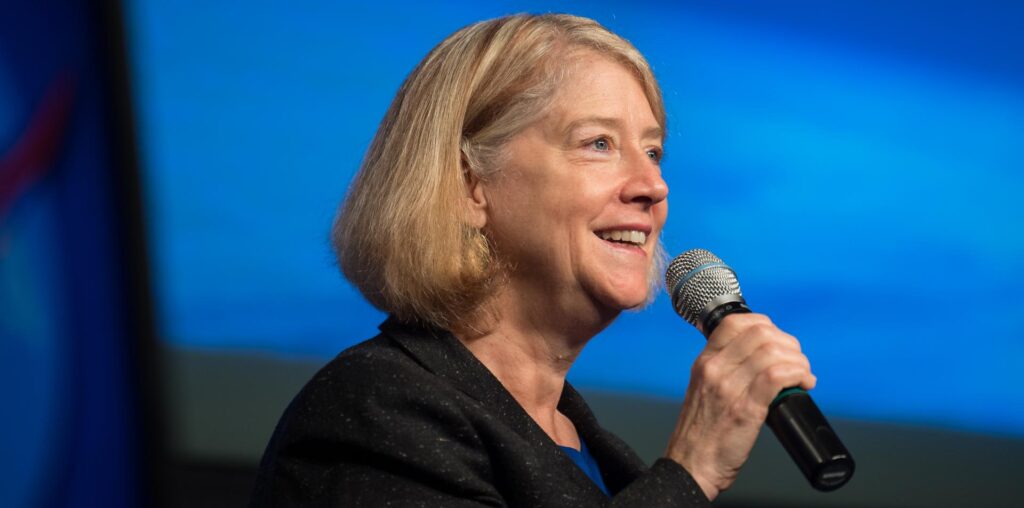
(445, 356)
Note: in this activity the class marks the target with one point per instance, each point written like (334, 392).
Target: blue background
(858, 164)
(71, 433)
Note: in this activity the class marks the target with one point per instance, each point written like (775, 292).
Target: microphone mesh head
(696, 277)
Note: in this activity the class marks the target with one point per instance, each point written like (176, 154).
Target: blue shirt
(586, 462)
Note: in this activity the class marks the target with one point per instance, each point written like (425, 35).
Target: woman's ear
(475, 199)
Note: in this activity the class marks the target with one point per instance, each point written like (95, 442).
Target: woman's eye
(600, 144)
(654, 155)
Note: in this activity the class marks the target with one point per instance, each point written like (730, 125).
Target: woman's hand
(746, 363)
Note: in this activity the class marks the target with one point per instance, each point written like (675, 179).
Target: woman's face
(577, 208)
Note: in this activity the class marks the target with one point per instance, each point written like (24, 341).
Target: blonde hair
(400, 236)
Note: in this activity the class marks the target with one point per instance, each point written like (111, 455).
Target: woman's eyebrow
(655, 132)
(604, 121)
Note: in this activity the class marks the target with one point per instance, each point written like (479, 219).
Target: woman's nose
(645, 183)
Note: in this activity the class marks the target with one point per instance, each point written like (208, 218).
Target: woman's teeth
(627, 236)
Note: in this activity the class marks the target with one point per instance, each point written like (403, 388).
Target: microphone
(704, 291)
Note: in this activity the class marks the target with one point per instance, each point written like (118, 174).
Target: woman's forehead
(611, 103)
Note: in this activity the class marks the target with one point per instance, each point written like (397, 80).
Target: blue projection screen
(858, 165)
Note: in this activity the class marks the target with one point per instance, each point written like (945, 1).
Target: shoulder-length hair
(400, 235)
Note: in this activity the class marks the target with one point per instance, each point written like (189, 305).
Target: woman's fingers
(772, 378)
(751, 350)
(733, 326)
(753, 329)
(745, 389)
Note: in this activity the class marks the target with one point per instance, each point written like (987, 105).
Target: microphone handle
(798, 423)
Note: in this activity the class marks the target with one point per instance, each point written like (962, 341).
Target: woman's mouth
(624, 236)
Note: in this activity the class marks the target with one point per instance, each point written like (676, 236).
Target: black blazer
(412, 418)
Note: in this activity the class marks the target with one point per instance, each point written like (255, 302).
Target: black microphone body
(793, 416)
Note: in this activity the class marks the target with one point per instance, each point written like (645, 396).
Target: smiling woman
(508, 210)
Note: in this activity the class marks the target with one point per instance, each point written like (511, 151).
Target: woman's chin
(634, 298)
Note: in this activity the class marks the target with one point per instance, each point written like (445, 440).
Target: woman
(506, 212)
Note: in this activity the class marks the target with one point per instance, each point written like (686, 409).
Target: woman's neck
(530, 352)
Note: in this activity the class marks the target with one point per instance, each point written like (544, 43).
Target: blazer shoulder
(374, 417)
(373, 374)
